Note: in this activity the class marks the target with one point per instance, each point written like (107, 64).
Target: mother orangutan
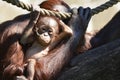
(47, 67)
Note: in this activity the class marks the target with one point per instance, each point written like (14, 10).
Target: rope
(104, 6)
(21, 4)
(61, 15)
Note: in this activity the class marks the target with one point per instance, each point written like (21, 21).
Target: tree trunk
(102, 63)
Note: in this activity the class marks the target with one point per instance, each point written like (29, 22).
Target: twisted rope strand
(21, 4)
(61, 15)
(104, 6)
(54, 13)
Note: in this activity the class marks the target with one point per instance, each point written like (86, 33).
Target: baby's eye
(39, 31)
(43, 29)
(50, 32)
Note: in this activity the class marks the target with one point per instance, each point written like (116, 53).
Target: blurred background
(8, 11)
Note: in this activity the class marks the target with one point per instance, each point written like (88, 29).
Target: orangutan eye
(50, 32)
(43, 29)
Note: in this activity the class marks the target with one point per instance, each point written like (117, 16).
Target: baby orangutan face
(46, 29)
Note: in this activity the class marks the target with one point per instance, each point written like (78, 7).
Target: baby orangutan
(48, 31)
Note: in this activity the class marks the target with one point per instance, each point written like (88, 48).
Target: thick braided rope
(104, 6)
(21, 4)
(60, 14)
